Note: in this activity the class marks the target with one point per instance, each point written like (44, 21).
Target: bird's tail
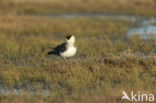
(52, 53)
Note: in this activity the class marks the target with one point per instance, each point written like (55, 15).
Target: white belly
(69, 52)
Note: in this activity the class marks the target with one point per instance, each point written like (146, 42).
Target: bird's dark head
(70, 39)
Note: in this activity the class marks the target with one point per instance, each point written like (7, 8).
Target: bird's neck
(70, 44)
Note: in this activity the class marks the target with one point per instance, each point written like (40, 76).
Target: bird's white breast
(71, 51)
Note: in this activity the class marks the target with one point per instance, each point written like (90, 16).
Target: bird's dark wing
(58, 49)
(61, 47)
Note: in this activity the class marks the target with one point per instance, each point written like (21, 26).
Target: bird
(66, 49)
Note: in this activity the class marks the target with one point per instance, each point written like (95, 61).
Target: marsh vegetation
(108, 60)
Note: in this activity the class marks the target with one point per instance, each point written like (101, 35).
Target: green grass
(107, 62)
(77, 79)
(138, 7)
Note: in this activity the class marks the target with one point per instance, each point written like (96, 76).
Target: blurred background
(116, 50)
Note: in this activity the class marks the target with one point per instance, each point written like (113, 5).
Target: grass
(138, 7)
(107, 61)
(76, 80)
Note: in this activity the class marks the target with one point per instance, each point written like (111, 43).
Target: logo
(140, 97)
